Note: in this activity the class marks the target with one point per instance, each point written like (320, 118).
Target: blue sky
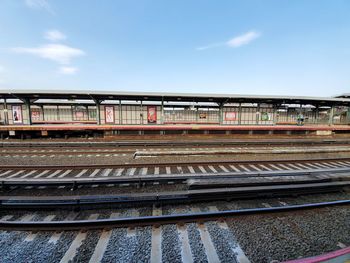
(273, 47)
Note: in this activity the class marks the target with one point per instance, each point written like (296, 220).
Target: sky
(269, 47)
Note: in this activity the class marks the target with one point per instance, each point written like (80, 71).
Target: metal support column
(162, 112)
(317, 115)
(274, 114)
(29, 112)
(221, 113)
(98, 112)
(240, 114)
(258, 113)
(43, 112)
(141, 114)
(331, 114)
(120, 112)
(57, 113)
(6, 115)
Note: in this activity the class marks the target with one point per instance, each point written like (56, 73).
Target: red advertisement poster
(109, 114)
(17, 114)
(35, 115)
(230, 116)
(152, 114)
(79, 114)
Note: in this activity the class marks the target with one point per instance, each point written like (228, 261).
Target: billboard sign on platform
(109, 114)
(151, 114)
(230, 116)
(17, 114)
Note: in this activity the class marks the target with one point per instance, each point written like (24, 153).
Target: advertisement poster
(17, 114)
(230, 116)
(109, 114)
(151, 114)
(35, 115)
(202, 115)
(265, 116)
(79, 115)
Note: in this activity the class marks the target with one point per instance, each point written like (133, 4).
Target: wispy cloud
(68, 70)
(55, 35)
(40, 4)
(235, 42)
(59, 53)
(243, 39)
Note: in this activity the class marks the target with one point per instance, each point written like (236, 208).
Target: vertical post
(72, 111)
(274, 114)
(330, 122)
(141, 115)
(98, 112)
(29, 112)
(240, 114)
(57, 113)
(162, 112)
(257, 114)
(221, 119)
(120, 112)
(6, 116)
(43, 112)
(317, 115)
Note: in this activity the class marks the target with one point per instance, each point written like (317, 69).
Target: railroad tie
(81, 173)
(30, 237)
(54, 174)
(209, 247)
(156, 243)
(186, 254)
(57, 235)
(28, 174)
(102, 243)
(41, 174)
(131, 231)
(236, 248)
(93, 174)
(64, 174)
(15, 174)
(77, 242)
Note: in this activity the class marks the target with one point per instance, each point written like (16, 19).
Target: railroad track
(137, 170)
(165, 151)
(201, 232)
(172, 143)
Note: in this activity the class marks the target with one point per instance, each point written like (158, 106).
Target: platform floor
(80, 127)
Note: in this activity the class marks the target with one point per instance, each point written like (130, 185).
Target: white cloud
(235, 42)
(68, 70)
(243, 39)
(2, 69)
(40, 4)
(59, 53)
(55, 35)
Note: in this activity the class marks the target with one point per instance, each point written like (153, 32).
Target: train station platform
(44, 130)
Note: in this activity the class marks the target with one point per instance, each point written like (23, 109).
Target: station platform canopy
(33, 95)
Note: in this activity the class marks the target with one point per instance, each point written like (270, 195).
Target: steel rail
(74, 183)
(175, 143)
(171, 197)
(136, 165)
(158, 220)
(91, 150)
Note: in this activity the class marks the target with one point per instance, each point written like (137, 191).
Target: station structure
(26, 112)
